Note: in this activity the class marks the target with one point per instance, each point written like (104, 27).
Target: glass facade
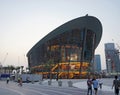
(112, 58)
(66, 55)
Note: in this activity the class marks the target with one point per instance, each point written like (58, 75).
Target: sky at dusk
(24, 22)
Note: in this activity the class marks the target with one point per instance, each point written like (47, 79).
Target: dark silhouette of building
(67, 51)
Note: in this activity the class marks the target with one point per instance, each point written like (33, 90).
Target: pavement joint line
(68, 89)
(56, 91)
(13, 90)
(24, 89)
(36, 91)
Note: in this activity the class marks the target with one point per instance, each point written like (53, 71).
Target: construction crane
(118, 46)
(5, 58)
(1, 63)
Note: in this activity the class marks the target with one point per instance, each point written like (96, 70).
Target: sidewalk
(4, 89)
(81, 83)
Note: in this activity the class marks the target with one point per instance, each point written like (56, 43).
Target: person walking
(95, 85)
(100, 82)
(116, 85)
(20, 82)
(89, 84)
(8, 79)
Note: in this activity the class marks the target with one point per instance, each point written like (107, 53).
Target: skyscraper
(112, 58)
(97, 63)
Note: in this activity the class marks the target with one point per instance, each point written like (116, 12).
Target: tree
(18, 69)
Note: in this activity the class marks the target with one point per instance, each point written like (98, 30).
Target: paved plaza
(79, 87)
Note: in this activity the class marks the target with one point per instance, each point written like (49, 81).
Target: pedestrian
(116, 85)
(20, 82)
(89, 84)
(95, 85)
(27, 79)
(8, 79)
(100, 82)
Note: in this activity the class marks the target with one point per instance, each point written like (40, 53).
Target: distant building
(112, 58)
(97, 63)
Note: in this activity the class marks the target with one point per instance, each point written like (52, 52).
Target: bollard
(59, 83)
(49, 82)
(32, 81)
(70, 83)
(40, 82)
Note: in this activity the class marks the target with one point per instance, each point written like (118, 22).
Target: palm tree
(18, 69)
(11, 68)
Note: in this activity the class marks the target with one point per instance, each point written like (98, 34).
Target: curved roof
(88, 22)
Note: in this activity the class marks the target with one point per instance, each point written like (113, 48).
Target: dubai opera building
(67, 51)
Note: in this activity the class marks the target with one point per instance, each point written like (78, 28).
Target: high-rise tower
(112, 58)
(97, 63)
